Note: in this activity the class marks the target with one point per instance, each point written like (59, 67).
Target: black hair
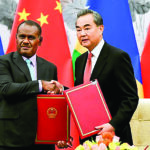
(97, 17)
(32, 23)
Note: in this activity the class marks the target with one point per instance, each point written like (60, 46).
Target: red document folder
(88, 107)
(53, 119)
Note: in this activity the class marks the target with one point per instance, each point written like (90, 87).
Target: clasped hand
(52, 87)
(65, 144)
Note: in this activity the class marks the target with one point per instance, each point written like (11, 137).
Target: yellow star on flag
(58, 6)
(23, 15)
(43, 19)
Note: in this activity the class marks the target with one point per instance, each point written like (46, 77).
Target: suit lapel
(81, 67)
(18, 60)
(39, 67)
(83, 63)
(100, 63)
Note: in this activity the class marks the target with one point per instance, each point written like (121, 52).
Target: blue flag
(118, 30)
(1, 48)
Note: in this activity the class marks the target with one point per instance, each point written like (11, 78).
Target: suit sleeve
(127, 91)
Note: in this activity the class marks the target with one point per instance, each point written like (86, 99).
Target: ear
(16, 39)
(101, 27)
(41, 39)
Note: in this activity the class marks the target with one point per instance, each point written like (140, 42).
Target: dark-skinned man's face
(27, 40)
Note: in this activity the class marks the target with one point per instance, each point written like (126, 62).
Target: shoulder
(7, 57)
(114, 51)
(118, 57)
(45, 62)
(113, 48)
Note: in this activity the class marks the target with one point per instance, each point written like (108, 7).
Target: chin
(25, 54)
(84, 45)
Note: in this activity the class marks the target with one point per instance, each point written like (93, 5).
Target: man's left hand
(105, 128)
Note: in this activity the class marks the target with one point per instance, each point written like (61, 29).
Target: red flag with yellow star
(54, 48)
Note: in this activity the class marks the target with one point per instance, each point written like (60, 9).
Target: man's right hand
(50, 87)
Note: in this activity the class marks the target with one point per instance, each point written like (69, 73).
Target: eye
(21, 36)
(87, 28)
(31, 37)
(78, 30)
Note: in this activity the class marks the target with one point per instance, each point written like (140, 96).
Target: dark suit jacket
(114, 72)
(18, 103)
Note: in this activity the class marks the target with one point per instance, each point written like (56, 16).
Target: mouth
(25, 48)
(84, 40)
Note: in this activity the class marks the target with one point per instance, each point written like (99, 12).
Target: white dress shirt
(96, 52)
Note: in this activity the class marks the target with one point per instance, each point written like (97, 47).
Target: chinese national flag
(54, 47)
(145, 63)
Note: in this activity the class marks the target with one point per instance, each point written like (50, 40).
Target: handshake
(52, 87)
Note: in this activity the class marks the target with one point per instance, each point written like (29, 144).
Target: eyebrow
(86, 25)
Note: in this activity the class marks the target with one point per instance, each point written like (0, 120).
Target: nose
(83, 32)
(26, 40)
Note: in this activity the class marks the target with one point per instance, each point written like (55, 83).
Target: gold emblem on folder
(51, 112)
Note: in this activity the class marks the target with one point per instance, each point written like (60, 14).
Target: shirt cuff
(40, 85)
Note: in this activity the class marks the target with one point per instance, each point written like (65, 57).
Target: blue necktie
(31, 69)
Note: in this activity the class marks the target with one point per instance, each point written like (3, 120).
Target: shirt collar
(33, 59)
(96, 51)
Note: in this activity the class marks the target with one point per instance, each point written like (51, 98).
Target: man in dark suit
(112, 68)
(18, 102)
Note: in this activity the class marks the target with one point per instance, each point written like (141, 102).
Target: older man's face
(88, 33)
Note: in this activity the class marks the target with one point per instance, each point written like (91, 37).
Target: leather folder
(88, 107)
(53, 119)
